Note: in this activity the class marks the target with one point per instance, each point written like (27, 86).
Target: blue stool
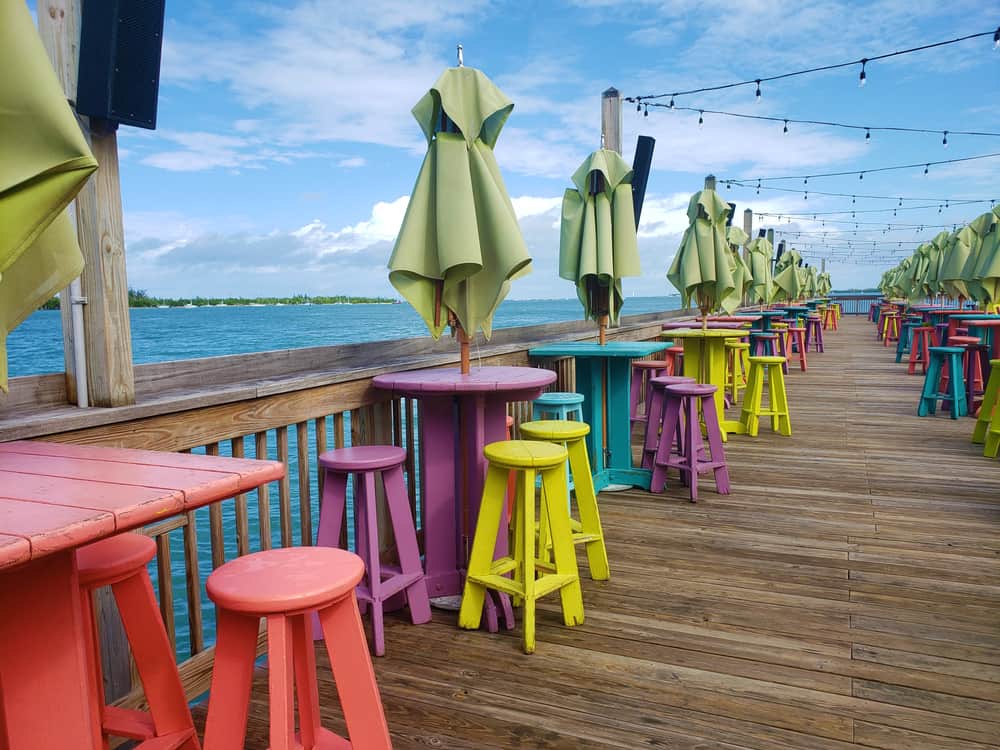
(903, 344)
(559, 405)
(955, 392)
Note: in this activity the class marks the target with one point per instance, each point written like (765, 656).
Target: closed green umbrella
(810, 288)
(988, 270)
(787, 278)
(931, 280)
(700, 269)
(460, 245)
(44, 161)
(762, 286)
(742, 278)
(953, 260)
(823, 284)
(974, 235)
(597, 240)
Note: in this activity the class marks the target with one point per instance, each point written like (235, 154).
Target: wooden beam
(611, 119)
(100, 231)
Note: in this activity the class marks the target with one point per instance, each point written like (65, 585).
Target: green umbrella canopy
(953, 260)
(809, 288)
(931, 280)
(700, 269)
(44, 161)
(988, 270)
(787, 278)
(973, 236)
(823, 284)
(459, 246)
(735, 236)
(762, 285)
(597, 240)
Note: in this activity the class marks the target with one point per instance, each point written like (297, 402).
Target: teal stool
(956, 387)
(560, 405)
(903, 344)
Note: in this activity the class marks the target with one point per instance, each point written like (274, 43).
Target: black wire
(747, 184)
(701, 110)
(861, 61)
(924, 164)
(855, 211)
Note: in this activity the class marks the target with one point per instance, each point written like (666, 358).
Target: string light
(926, 167)
(671, 102)
(701, 119)
(868, 135)
(862, 79)
(646, 112)
(944, 140)
(786, 127)
(757, 93)
(897, 198)
(880, 169)
(862, 61)
(996, 38)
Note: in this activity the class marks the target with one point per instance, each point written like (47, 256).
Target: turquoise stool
(903, 344)
(956, 387)
(560, 405)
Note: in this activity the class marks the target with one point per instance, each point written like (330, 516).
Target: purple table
(459, 415)
(713, 325)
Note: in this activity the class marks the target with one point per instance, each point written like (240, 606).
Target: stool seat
(768, 360)
(554, 429)
(555, 398)
(362, 458)
(692, 389)
(262, 583)
(105, 562)
(525, 454)
(648, 364)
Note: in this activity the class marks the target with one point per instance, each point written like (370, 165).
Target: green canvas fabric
(988, 270)
(735, 236)
(700, 269)
(597, 238)
(44, 161)
(762, 284)
(974, 235)
(742, 279)
(460, 230)
(811, 288)
(931, 280)
(953, 260)
(788, 277)
(823, 284)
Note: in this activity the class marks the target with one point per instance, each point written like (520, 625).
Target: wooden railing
(292, 412)
(855, 303)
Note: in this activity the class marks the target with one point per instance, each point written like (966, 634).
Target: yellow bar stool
(737, 365)
(532, 577)
(587, 530)
(765, 370)
(987, 429)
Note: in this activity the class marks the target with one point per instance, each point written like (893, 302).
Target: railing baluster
(305, 493)
(263, 498)
(242, 520)
(338, 430)
(411, 452)
(165, 583)
(320, 449)
(192, 577)
(284, 490)
(217, 536)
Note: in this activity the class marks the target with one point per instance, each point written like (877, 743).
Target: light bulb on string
(638, 106)
(786, 127)
(900, 201)
(853, 199)
(926, 168)
(701, 118)
(863, 78)
(996, 38)
(805, 196)
(645, 112)
(868, 135)
(861, 175)
(944, 140)
(671, 105)
(757, 93)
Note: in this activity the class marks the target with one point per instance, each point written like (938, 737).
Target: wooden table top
(57, 496)
(479, 380)
(627, 349)
(700, 333)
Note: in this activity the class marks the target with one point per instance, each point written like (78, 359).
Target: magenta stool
(642, 371)
(655, 401)
(814, 333)
(381, 580)
(688, 399)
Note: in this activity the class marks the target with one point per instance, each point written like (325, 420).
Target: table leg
(619, 426)
(588, 382)
(438, 448)
(46, 691)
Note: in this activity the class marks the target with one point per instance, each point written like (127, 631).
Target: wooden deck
(847, 594)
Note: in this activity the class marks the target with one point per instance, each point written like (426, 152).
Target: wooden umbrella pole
(602, 329)
(463, 342)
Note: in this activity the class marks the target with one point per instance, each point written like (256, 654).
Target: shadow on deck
(847, 593)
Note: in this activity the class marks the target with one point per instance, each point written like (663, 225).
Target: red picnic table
(54, 498)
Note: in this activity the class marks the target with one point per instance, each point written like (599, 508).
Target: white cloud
(352, 162)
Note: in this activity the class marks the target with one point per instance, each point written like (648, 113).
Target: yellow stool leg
(518, 544)
(591, 532)
(483, 545)
(570, 592)
(990, 399)
(781, 421)
(749, 416)
(526, 558)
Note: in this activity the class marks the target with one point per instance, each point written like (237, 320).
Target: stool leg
(280, 682)
(352, 667)
(563, 552)
(779, 402)
(406, 544)
(306, 689)
(331, 509)
(154, 656)
(232, 675)
(671, 422)
(692, 445)
(714, 434)
(928, 396)
(989, 404)
(373, 563)
(484, 542)
(749, 416)
(590, 519)
(654, 423)
(92, 639)
(528, 555)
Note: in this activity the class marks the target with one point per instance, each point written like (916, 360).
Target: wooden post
(611, 119)
(100, 230)
(822, 265)
(710, 182)
(748, 228)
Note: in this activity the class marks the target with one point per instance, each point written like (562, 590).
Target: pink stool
(120, 562)
(642, 371)
(382, 580)
(655, 401)
(796, 335)
(688, 399)
(283, 586)
(814, 334)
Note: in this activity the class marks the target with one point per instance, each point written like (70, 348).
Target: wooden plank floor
(846, 594)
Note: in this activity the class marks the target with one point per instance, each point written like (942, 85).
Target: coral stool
(284, 586)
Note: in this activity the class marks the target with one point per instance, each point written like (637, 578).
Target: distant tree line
(140, 298)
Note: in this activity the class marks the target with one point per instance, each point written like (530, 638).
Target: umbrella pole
(602, 329)
(463, 343)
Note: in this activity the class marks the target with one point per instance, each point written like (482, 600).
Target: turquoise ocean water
(162, 334)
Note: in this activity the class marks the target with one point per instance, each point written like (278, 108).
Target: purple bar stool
(655, 400)
(814, 334)
(381, 580)
(688, 399)
(642, 371)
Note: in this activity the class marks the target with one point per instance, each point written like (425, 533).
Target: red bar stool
(797, 334)
(285, 586)
(830, 319)
(120, 562)
(382, 580)
(920, 349)
(674, 357)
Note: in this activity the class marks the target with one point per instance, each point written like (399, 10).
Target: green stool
(956, 386)
(989, 405)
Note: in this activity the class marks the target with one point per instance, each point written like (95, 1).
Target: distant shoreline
(138, 298)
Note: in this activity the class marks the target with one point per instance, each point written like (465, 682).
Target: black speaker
(732, 213)
(120, 45)
(641, 163)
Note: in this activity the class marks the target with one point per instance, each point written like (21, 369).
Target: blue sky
(285, 150)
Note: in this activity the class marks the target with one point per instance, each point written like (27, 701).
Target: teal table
(797, 311)
(764, 324)
(607, 366)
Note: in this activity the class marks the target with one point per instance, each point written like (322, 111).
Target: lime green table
(603, 374)
(705, 361)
